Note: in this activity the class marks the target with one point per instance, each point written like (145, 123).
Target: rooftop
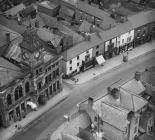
(134, 87)
(48, 4)
(3, 31)
(8, 72)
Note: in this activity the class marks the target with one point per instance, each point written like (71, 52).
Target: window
(57, 63)
(53, 65)
(135, 130)
(70, 68)
(49, 68)
(46, 79)
(58, 85)
(54, 74)
(97, 53)
(39, 85)
(50, 77)
(70, 61)
(37, 72)
(77, 57)
(87, 51)
(101, 122)
(50, 89)
(54, 87)
(27, 87)
(78, 64)
(87, 57)
(18, 93)
(57, 72)
(129, 39)
(122, 40)
(9, 100)
(97, 46)
(40, 70)
(95, 119)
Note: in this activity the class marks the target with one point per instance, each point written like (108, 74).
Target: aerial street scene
(77, 69)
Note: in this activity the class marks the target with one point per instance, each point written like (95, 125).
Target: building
(46, 68)
(15, 90)
(117, 114)
(144, 26)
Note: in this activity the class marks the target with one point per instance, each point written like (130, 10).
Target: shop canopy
(100, 59)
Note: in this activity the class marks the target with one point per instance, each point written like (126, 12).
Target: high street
(54, 117)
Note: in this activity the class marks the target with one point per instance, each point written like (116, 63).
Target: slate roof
(101, 14)
(8, 72)
(133, 86)
(142, 18)
(28, 10)
(69, 137)
(116, 31)
(3, 31)
(82, 47)
(113, 115)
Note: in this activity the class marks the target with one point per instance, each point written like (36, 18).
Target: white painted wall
(107, 43)
(75, 61)
(123, 38)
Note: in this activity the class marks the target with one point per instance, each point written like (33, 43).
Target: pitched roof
(28, 10)
(82, 47)
(133, 86)
(8, 72)
(115, 116)
(116, 31)
(14, 10)
(85, 26)
(48, 4)
(101, 14)
(3, 31)
(131, 102)
(69, 137)
(142, 18)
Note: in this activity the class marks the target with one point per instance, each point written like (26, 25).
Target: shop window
(18, 111)
(16, 94)
(27, 87)
(87, 57)
(9, 100)
(23, 106)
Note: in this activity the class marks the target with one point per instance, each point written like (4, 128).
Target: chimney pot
(90, 102)
(115, 93)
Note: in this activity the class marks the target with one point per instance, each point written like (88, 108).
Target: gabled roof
(3, 31)
(85, 26)
(48, 4)
(69, 137)
(8, 72)
(116, 31)
(67, 11)
(130, 101)
(142, 18)
(133, 86)
(113, 115)
(82, 47)
(28, 10)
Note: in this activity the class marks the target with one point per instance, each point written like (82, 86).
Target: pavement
(33, 117)
(111, 64)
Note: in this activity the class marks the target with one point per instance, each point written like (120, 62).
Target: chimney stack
(115, 93)
(137, 76)
(37, 24)
(8, 37)
(90, 102)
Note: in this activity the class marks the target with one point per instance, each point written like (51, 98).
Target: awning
(33, 105)
(100, 60)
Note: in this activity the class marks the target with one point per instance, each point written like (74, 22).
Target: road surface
(97, 87)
